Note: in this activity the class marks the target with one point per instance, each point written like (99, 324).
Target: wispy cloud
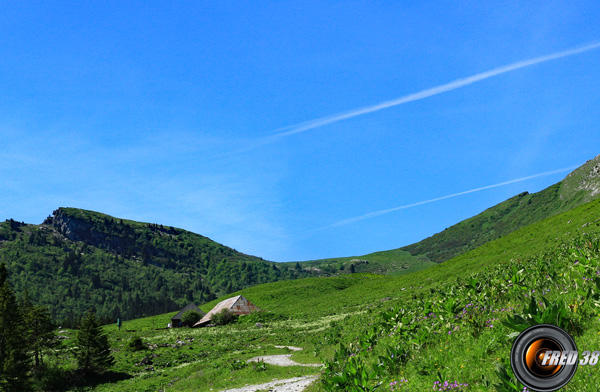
(312, 124)
(387, 211)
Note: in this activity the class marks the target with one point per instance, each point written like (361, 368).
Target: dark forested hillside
(79, 259)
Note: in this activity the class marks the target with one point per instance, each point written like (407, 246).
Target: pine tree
(15, 362)
(93, 350)
(41, 330)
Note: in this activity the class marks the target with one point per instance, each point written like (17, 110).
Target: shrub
(190, 317)
(223, 318)
(136, 344)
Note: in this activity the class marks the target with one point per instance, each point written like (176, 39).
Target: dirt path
(296, 384)
(280, 360)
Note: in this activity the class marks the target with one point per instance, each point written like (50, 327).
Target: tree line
(28, 337)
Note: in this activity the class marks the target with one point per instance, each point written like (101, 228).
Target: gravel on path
(296, 384)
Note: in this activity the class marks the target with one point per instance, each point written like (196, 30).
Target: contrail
(305, 126)
(382, 212)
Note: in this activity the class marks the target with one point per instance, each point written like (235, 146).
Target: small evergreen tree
(41, 330)
(93, 350)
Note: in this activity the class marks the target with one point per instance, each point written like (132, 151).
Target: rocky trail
(296, 384)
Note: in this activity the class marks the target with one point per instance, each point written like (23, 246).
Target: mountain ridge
(578, 187)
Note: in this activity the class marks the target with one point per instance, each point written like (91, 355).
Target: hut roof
(188, 307)
(236, 305)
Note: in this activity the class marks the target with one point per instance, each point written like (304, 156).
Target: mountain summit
(583, 182)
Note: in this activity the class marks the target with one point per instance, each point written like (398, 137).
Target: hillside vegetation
(450, 324)
(79, 259)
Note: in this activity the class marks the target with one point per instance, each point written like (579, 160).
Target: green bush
(191, 317)
(223, 318)
(136, 344)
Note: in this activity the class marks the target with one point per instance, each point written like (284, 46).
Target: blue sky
(193, 114)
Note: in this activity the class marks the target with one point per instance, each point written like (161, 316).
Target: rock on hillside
(585, 179)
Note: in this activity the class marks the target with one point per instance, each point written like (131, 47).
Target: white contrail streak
(387, 211)
(305, 126)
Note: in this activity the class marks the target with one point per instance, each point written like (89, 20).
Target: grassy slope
(322, 296)
(392, 262)
(319, 313)
(519, 211)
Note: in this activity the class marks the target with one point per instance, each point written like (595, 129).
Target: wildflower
(394, 383)
(438, 386)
